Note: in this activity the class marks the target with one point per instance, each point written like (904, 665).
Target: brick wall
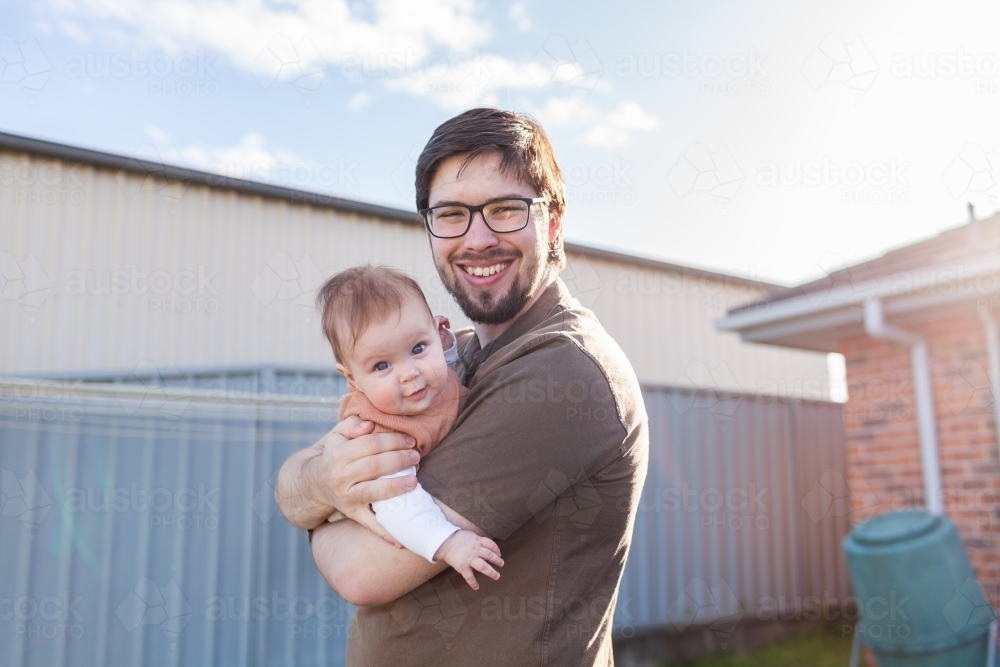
(883, 451)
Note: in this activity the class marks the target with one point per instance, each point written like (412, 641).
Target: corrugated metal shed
(138, 524)
(740, 512)
(148, 264)
(139, 527)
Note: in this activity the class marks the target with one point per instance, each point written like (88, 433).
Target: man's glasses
(502, 216)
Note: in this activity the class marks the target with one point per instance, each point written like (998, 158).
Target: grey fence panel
(142, 531)
(736, 518)
(138, 524)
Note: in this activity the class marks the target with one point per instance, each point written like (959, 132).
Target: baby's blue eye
(418, 348)
(381, 366)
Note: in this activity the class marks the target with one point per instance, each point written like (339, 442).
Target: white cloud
(242, 30)
(518, 13)
(617, 127)
(562, 111)
(609, 130)
(428, 48)
(157, 134)
(251, 159)
(358, 101)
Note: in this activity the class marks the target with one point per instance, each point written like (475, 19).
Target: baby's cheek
(385, 399)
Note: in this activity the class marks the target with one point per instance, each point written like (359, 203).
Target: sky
(776, 139)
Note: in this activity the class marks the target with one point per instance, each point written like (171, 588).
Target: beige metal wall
(108, 270)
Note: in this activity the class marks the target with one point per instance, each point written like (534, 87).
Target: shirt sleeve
(530, 431)
(414, 519)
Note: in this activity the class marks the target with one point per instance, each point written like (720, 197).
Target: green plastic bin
(919, 599)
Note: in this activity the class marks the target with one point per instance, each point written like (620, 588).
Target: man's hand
(341, 472)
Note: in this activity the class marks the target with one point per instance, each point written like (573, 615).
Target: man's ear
(555, 223)
(342, 369)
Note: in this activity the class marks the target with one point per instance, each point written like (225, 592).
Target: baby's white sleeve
(414, 519)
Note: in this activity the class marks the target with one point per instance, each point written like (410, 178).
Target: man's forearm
(366, 570)
(297, 486)
(363, 568)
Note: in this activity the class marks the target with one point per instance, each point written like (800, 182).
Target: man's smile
(486, 273)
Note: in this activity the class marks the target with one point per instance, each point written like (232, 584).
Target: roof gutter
(993, 355)
(876, 327)
(941, 281)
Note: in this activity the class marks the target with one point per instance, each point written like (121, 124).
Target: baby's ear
(342, 369)
(444, 331)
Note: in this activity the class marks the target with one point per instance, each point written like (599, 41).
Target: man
(548, 453)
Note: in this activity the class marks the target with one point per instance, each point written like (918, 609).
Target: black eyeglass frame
(481, 209)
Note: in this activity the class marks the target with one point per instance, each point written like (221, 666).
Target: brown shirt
(548, 455)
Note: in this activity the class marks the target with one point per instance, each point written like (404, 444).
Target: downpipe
(876, 327)
(993, 356)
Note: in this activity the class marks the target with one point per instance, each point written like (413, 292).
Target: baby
(394, 354)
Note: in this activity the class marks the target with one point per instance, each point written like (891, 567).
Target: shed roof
(181, 174)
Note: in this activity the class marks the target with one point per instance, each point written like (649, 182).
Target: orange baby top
(428, 428)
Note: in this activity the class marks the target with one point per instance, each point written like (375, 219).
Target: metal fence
(742, 513)
(138, 524)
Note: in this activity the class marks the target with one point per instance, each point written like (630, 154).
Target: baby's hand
(465, 551)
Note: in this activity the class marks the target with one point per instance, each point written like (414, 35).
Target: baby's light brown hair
(356, 298)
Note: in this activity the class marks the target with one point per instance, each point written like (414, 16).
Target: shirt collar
(473, 355)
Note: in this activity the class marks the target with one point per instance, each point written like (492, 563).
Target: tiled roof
(965, 242)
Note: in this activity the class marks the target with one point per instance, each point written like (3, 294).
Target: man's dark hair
(523, 144)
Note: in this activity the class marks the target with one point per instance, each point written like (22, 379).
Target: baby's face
(399, 363)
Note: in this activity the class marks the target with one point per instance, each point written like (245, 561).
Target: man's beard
(484, 308)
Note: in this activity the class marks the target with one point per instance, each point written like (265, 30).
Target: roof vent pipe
(876, 327)
(993, 356)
